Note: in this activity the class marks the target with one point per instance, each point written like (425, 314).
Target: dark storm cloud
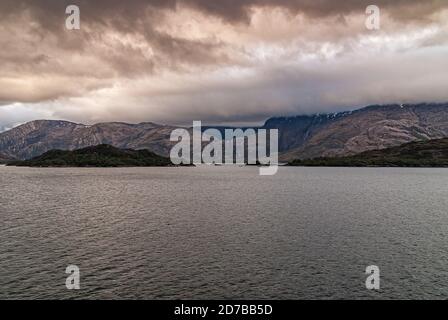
(127, 12)
(239, 10)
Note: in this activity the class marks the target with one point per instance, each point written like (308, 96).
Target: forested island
(96, 156)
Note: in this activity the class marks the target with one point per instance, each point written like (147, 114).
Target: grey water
(223, 233)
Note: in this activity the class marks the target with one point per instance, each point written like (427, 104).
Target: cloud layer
(217, 61)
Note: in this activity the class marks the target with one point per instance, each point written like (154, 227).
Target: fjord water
(223, 232)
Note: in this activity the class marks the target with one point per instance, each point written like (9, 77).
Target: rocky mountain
(428, 153)
(300, 137)
(36, 137)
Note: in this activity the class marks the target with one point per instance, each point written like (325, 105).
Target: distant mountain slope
(36, 137)
(370, 128)
(431, 153)
(96, 156)
(4, 158)
(294, 132)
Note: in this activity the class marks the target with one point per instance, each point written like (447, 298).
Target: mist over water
(223, 232)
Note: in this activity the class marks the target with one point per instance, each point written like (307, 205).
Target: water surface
(223, 232)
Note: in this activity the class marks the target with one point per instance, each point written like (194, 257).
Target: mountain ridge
(300, 137)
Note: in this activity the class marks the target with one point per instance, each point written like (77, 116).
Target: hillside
(296, 131)
(96, 156)
(432, 153)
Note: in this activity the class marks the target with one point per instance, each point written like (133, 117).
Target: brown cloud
(128, 15)
(127, 12)
(125, 47)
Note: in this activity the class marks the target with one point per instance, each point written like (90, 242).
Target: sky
(222, 62)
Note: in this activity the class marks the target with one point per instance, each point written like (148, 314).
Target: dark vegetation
(96, 156)
(429, 153)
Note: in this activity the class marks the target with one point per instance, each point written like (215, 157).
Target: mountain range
(300, 137)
